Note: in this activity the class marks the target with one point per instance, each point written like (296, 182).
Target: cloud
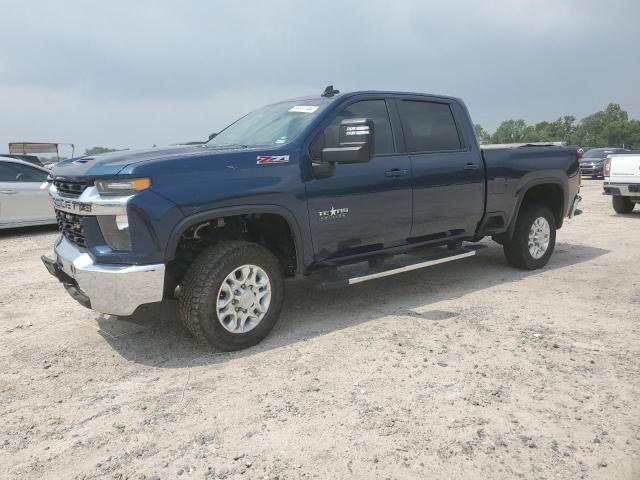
(151, 71)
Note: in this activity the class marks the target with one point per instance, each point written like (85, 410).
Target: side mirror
(356, 140)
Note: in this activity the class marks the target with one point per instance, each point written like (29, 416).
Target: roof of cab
(389, 93)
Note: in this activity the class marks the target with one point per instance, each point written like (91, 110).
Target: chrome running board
(339, 279)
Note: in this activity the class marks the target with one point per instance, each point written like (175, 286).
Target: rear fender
(526, 187)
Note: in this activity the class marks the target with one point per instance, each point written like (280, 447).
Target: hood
(114, 162)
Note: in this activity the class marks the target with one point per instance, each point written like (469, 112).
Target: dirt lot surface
(465, 370)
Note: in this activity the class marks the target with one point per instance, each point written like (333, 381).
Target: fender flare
(212, 214)
(524, 188)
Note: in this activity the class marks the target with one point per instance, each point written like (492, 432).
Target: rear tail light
(579, 156)
(607, 167)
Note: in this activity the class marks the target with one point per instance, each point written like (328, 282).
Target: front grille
(70, 188)
(71, 227)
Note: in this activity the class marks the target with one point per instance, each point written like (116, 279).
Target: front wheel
(622, 204)
(534, 238)
(232, 295)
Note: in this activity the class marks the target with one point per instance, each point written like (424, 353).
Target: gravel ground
(465, 370)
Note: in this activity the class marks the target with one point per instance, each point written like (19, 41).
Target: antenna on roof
(330, 91)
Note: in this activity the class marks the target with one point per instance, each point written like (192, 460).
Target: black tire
(622, 204)
(517, 249)
(202, 283)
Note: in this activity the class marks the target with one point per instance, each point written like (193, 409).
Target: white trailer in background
(38, 148)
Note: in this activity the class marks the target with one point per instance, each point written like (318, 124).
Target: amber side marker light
(123, 187)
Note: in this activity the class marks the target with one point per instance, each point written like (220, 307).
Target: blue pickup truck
(313, 184)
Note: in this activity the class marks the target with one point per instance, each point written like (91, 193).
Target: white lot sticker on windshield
(304, 108)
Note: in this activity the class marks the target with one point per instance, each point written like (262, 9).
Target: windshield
(275, 124)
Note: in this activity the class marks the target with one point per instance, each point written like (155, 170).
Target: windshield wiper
(228, 145)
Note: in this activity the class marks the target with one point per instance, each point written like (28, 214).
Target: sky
(129, 74)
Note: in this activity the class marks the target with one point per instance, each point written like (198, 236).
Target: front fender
(300, 237)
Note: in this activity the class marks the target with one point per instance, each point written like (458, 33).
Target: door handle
(471, 166)
(396, 172)
(8, 192)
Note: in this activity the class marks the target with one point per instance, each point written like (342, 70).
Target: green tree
(482, 135)
(610, 127)
(560, 130)
(98, 150)
(633, 134)
(512, 131)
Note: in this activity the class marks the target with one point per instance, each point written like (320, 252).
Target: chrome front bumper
(112, 289)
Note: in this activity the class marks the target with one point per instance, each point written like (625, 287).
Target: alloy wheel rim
(539, 236)
(243, 299)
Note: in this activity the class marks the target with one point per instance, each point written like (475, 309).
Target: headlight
(122, 187)
(115, 230)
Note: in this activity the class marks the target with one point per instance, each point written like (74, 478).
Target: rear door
(24, 195)
(365, 206)
(447, 174)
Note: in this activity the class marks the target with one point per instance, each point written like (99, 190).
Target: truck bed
(510, 168)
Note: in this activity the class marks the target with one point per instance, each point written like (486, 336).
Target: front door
(366, 206)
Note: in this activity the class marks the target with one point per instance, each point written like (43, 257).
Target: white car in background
(622, 180)
(24, 194)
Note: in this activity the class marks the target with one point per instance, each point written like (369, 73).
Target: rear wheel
(534, 237)
(232, 295)
(622, 204)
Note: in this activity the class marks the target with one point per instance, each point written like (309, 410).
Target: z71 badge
(270, 159)
(333, 214)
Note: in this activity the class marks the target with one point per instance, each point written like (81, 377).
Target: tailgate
(625, 168)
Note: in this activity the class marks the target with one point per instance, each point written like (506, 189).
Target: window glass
(15, 172)
(275, 124)
(602, 152)
(6, 173)
(375, 110)
(429, 127)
